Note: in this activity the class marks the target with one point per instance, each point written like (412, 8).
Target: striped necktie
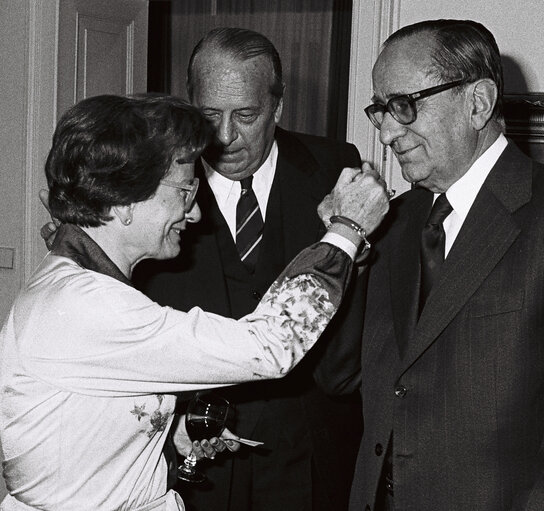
(249, 225)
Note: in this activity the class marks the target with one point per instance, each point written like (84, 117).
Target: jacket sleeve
(338, 370)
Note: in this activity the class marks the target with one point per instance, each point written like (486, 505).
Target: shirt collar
(74, 243)
(462, 194)
(222, 186)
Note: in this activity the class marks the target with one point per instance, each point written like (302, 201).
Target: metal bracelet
(337, 219)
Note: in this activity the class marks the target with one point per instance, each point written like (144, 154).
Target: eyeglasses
(403, 108)
(186, 190)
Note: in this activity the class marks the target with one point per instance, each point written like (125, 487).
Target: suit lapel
(206, 242)
(487, 233)
(405, 268)
(300, 191)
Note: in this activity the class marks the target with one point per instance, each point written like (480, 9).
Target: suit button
(400, 391)
(378, 449)
(257, 295)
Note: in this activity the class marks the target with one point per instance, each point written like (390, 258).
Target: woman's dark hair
(241, 44)
(462, 50)
(114, 150)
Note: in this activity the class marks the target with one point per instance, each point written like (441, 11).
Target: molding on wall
(41, 108)
(370, 27)
(389, 169)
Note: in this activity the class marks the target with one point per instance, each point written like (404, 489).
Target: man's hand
(360, 195)
(206, 448)
(49, 230)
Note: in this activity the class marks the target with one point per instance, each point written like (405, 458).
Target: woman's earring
(127, 221)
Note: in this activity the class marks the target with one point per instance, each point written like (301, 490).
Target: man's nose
(390, 129)
(226, 131)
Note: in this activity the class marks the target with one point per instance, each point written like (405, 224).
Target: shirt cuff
(342, 243)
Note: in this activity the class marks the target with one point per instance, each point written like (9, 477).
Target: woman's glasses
(187, 191)
(403, 108)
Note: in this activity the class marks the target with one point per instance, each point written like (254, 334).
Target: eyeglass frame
(190, 189)
(411, 99)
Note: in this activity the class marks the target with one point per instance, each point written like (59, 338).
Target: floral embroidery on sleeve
(304, 309)
(302, 300)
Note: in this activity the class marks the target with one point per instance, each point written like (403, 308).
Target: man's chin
(230, 170)
(412, 174)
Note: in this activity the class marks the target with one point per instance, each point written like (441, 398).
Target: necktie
(249, 225)
(433, 240)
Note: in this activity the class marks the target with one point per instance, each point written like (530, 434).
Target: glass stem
(190, 462)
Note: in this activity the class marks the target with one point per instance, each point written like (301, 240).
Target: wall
(517, 26)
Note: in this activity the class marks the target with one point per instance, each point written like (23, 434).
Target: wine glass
(205, 418)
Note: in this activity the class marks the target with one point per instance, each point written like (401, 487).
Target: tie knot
(440, 210)
(246, 184)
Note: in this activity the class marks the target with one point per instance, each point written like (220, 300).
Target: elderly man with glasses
(452, 365)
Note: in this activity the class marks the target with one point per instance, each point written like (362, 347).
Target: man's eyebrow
(375, 99)
(396, 94)
(252, 108)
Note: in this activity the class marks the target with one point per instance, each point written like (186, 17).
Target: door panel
(102, 49)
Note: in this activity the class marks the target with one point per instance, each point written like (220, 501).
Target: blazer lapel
(301, 189)
(487, 233)
(405, 268)
(205, 245)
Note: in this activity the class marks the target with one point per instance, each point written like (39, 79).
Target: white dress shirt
(462, 194)
(227, 192)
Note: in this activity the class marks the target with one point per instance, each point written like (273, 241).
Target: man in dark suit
(308, 456)
(452, 363)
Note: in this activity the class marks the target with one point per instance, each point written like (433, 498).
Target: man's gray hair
(241, 44)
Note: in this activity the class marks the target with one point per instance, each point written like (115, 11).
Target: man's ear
(124, 213)
(484, 98)
(279, 109)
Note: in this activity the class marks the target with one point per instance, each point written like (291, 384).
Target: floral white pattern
(158, 418)
(304, 306)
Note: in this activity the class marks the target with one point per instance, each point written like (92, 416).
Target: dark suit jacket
(463, 387)
(307, 169)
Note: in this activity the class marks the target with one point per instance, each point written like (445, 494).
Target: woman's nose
(194, 214)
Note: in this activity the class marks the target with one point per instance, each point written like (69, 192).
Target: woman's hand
(360, 195)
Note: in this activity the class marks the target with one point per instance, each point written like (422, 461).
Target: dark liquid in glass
(203, 427)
